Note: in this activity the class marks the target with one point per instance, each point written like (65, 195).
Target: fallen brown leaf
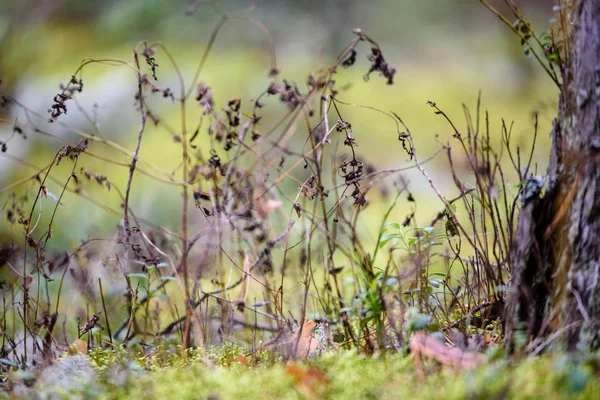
(422, 344)
(310, 380)
(78, 347)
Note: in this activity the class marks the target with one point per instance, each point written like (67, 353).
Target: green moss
(341, 375)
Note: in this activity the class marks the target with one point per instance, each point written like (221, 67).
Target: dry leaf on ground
(422, 344)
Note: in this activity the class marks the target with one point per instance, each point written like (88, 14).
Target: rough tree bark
(556, 259)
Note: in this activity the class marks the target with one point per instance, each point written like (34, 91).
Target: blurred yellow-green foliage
(444, 50)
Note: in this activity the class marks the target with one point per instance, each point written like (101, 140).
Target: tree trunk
(556, 258)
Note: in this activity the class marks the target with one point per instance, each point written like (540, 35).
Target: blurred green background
(444, 50)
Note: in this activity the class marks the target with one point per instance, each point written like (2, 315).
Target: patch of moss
(117, 374)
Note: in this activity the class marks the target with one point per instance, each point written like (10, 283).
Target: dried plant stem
(506, 22)
(105, 311)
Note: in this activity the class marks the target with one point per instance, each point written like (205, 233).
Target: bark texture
(556, 257)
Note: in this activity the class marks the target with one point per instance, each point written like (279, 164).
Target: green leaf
(386, 238)
(138, 275)
(8, 362)
(391, 282)
(394, 224)
(442, 274)
(417, 321)
(435, 282)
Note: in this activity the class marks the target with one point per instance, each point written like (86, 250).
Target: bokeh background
(447, 51)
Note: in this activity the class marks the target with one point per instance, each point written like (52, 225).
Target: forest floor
(346, 374)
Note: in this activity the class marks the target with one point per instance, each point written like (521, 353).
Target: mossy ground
(339, 375)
